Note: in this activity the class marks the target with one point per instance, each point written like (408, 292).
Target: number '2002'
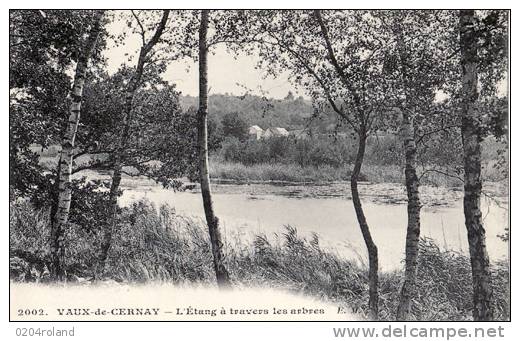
(29, 312)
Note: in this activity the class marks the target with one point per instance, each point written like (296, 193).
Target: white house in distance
(255, 132)
(275, 132)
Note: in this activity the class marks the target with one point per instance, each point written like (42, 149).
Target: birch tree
(471, 132)
(340, 70)
(44, 46)
(221, 272)
(67, 148)
(144, 59)
(228, 27)
(407, 130)
(479, 58)
(363, 116)
(415, 70)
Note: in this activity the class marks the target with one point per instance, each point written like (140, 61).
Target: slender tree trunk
(53, 196)
(408, 290)
(118, 156)
(373, 300)
(413, 229)
(471, 139)
(67, 148)
(202, 134)
(116, 181)
(373, 263)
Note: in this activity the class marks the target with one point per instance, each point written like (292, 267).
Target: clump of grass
(155, 244)
(275, 172)
(289, 172)
(383, 173)
(29, 247)
(29, 228)
(300, 264)
(158, 245)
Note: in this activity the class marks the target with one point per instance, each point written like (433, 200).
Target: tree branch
(434, 170)
(322, 83)
(420, 138)
(87, 152)
(140, 25)
(333, 59)
(94, 165)
(158, 32)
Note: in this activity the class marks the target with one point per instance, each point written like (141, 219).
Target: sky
(224, 71)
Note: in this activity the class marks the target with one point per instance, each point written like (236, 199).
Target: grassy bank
(295, 173)
(158, 245)
(374, 173)
(291, 172)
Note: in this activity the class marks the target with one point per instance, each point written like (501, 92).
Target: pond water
(246, 210)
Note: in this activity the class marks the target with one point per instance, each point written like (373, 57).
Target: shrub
(233, 125)
(231, 149)
(384, 150)
(318, 151)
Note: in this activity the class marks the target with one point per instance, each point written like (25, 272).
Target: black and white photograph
(259, 165)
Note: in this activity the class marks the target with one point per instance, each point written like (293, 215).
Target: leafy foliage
(304, 152)
(234, 125)
(43, 47)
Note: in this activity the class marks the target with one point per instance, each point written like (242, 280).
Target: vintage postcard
(259, 165)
